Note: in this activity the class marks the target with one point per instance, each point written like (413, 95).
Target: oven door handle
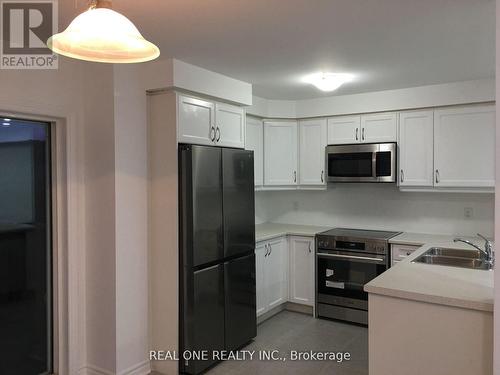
(352, 257)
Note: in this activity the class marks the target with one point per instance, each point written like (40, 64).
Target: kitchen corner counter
(450, 286)
(267, 231)
(420, 239)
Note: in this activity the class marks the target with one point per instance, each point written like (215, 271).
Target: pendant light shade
(103, 35)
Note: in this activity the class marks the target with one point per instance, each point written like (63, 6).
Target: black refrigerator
(217, 252)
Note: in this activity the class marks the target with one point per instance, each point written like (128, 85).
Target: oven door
(341, 276)
(362, 163)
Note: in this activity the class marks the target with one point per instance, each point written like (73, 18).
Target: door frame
(68, 238)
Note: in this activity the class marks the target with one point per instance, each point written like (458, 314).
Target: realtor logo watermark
(25, 27)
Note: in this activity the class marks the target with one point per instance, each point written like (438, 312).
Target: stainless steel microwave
(368, 162)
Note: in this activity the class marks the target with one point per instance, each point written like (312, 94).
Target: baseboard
(94, 370)
(143, 368)
(271, 313)
(296, 307)
(290, 306)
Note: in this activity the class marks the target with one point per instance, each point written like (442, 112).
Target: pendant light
(102, 35)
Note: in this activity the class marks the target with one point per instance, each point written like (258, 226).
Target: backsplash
(379, 207)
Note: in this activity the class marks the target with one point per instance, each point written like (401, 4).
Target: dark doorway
(25, 248)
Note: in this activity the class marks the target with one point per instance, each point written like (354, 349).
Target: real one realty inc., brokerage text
(248, 355)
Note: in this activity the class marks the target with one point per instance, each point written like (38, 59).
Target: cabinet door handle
(212, 134)
(437, 176)
(270, 249)
(217, 132)
(402, 176)
(265, 246)
(363, 134)
(322, 179)
(295, 176)
(357, 129)
(310, 248)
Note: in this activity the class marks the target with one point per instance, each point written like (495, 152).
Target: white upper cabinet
(196, 121)
(204, 122)
(374, 128)
(301, 285)
(344, 130)
(464, 146)
(312, 144)
(379, 128)
(280, 153)
(255, 142)
(416, 140)
(229, 125)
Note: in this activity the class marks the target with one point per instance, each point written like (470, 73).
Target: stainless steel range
(347, 259)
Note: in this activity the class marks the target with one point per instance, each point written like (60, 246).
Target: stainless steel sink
(454, 258)
(455, 253)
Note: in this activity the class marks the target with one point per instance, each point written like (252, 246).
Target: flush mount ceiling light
(328, 81)
(102, 35)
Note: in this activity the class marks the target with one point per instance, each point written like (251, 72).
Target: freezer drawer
(203, 316)
(240, 316)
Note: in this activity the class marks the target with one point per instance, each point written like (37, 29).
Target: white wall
(100, 215)
(389, 100)
(131, 205)
(81, 95)
(379, 207)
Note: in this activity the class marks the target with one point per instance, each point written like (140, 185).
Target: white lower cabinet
(301, 285)
(401, 252)
(260, 259)
(271, 274)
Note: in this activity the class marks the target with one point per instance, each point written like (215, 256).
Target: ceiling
(272, 44)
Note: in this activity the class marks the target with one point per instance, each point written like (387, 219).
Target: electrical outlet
(468, 212)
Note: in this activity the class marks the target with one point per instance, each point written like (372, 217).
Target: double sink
(472, 259)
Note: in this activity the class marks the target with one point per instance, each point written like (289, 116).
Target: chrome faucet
(487, 251)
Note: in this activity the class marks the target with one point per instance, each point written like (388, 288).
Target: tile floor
(293, 331)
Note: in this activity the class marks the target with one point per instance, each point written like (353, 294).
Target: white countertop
(420, 239)
(267, 231)
(451, 286)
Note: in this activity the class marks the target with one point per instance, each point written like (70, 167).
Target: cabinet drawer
(400, 252)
